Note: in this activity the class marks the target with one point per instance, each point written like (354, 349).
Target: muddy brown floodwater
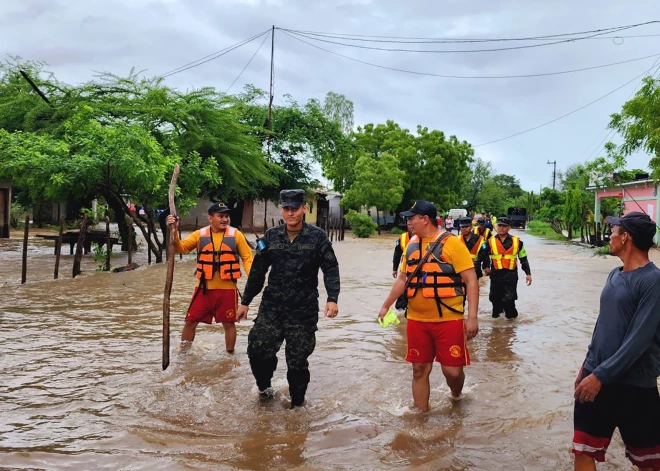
(81, 385)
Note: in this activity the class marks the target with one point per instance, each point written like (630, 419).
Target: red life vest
(224, 259)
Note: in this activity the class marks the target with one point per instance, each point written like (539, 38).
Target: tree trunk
(118, 210)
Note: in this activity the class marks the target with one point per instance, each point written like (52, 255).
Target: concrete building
(639, 195)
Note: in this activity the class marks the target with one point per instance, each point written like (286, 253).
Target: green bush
(363, 226)
(397, 231)
(604, 250)
(18, 214)
(537, 225)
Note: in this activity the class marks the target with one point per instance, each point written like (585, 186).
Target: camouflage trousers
(503, 293)
(270, 330)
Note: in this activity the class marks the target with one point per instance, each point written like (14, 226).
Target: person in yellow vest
(399, 250)
(436, 274)
(476, 245)
(505, 250)
(482, 230)
(219, 248)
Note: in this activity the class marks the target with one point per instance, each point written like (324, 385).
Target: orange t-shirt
(425, 309)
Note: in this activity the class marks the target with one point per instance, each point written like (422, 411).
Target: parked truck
(518, 217)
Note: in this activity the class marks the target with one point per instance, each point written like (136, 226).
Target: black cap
(465, 222)
(635, 222)
(292, 198)
(423, 208)
(218, 208)
(481, 221)
(503, 221)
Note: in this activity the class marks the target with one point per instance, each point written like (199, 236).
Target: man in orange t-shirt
(437, 328)
(216, 293)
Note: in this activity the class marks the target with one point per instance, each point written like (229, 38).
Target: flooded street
(81, 385)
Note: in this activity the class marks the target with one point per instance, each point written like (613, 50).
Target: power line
(609, 134)
(476, 77)
(567, 114)
(349, 36)
(449, 51)
(213, 56)
(246, 65)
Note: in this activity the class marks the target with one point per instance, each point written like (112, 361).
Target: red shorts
(218, 304)
(442, 341)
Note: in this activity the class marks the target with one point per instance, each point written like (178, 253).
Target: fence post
(79, 247)
(58, 248)
(25, 244)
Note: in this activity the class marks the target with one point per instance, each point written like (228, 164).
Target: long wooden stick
(25, 246)
(79, 247)
(170, 274)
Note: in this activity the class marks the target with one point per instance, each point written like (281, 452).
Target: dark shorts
(634, 410)
(218, 304)
(442, 341)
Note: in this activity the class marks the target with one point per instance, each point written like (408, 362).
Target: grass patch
(397, 231)
(543, 229)
(604, 250)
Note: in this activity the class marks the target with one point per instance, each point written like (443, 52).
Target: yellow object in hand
(390, 319)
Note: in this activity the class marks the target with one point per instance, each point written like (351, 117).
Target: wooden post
(25, 244)
(79, 247)
(148, 246)
(58, 248)
(343, 228)
(130, 241)
(108, 247)
(196, 222)
(170, 275)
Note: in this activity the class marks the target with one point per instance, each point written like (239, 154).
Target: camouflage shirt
(294, 268)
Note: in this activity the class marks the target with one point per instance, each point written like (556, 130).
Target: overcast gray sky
(78, 37)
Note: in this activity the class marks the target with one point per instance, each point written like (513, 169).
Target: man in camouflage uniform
(289, 309)
(503, 250)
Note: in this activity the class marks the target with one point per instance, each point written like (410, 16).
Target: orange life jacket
(504, 259)
(437, 278)
(474, 251)
(224, 259)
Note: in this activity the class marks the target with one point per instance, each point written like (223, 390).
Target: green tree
(480, 173)
(339, 109)
(378, 183)
(493, 198)
(639, 122)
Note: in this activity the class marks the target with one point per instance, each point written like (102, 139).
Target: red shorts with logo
(218, 304)
(443, 342)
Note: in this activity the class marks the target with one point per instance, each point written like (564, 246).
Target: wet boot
(510, 310)
(497, 309)
(298, 381)
(263, 370)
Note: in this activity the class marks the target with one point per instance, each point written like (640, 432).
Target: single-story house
(640, 195)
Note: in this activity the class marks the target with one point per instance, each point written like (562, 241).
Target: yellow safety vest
(403, 241)
(504, 259)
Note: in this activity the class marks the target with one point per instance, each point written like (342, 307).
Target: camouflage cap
(292, 198)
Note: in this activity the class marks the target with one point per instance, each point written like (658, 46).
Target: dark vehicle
(518, 217)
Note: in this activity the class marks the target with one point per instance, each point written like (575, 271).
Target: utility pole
(554, 172)
(272, 87)
(270, 109)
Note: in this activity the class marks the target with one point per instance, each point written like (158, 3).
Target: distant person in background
(449, 223)
(399, 250)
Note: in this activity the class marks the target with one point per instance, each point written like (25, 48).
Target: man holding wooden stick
(219, 247)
